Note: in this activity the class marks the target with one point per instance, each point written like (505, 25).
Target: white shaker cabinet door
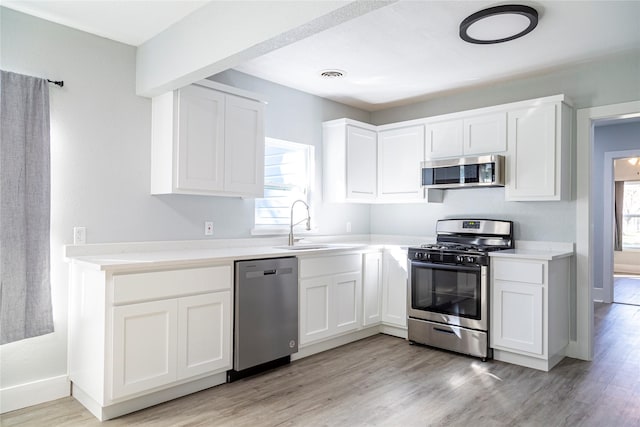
(204, 334)
(361, 154)
(394, 286)
(345, 300)
(372, 289)
(200, 160)
(314, 309)
(533, 171)
(144, 346)
(244, 146)
(400, 152)
(444, 139)
(486, 134)
(518, 316)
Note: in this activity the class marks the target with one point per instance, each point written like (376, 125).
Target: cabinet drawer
(322, 266)
(518, 271)
(128, 288)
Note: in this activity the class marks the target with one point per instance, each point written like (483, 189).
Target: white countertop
(546, 251)
(134, 256)
(541, 254)
(194, 257)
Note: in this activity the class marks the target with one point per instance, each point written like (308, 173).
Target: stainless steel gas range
(448, 304)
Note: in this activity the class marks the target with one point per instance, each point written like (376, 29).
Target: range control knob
(419, 255)
(470, 259)
(460, 258)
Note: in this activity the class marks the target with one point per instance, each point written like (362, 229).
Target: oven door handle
(436, 266)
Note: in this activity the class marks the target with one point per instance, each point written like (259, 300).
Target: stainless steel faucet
(308, 219)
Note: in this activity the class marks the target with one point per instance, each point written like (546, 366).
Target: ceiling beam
(223, 34)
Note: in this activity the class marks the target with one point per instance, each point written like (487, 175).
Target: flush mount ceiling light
(332, 74)
(498, 24)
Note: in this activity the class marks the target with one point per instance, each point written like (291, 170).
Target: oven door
(451, 294)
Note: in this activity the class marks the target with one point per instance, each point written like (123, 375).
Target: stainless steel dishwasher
(266, 315)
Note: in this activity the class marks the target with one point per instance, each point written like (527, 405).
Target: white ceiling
(400, 53)
(128, 21)
(411, 50)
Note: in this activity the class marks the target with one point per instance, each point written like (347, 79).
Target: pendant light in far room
(498, 24)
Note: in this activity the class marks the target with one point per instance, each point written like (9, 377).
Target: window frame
(626, 247)
(280, 229)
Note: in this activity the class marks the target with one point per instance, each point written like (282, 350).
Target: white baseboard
(627, 268)
(34, 393)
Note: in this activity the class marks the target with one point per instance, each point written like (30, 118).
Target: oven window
(446, 291)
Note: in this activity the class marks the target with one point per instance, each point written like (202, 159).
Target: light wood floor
(626, 289)
(387, 382)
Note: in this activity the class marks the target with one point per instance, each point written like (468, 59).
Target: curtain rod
(57, 82)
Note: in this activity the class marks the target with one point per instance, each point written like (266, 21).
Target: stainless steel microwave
(480, 171)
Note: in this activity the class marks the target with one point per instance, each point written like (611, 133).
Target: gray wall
(543, 221)
(613, 137)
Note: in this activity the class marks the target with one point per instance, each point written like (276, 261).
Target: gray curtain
(618, 199)
(25, 287)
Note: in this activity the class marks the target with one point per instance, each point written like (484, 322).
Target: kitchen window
(631, 215)
(288, 176)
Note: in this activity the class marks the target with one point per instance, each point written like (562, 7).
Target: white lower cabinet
(530, 310)
(204, 334)
(144, 346)
(394, 287)
(140, 338)
(519, 325)
(372, 289)
(330, 296)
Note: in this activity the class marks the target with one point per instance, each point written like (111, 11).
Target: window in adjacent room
(631, 215)
(288, 176)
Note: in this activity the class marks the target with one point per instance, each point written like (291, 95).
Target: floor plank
(626, 289)
(384, 381)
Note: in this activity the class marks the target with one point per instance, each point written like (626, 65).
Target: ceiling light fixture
(498, 24)
(633, 161)
(332, 74)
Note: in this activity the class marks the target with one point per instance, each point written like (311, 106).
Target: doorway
(621, 216)
(586, 225)
(626, 257)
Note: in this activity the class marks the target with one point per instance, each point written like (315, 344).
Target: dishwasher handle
(269, 272)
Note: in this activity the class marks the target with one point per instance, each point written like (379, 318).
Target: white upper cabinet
(200, 130)
(486, 134)
(350, 161)
(361, 163)
(444, 139)
(400, 152)
(244, 146)
(366, 163)
(538, 157)
(206, 141)
(475, 135)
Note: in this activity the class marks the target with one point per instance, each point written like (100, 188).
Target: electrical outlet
(79, 235)
(349, 227)
(208, 228)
